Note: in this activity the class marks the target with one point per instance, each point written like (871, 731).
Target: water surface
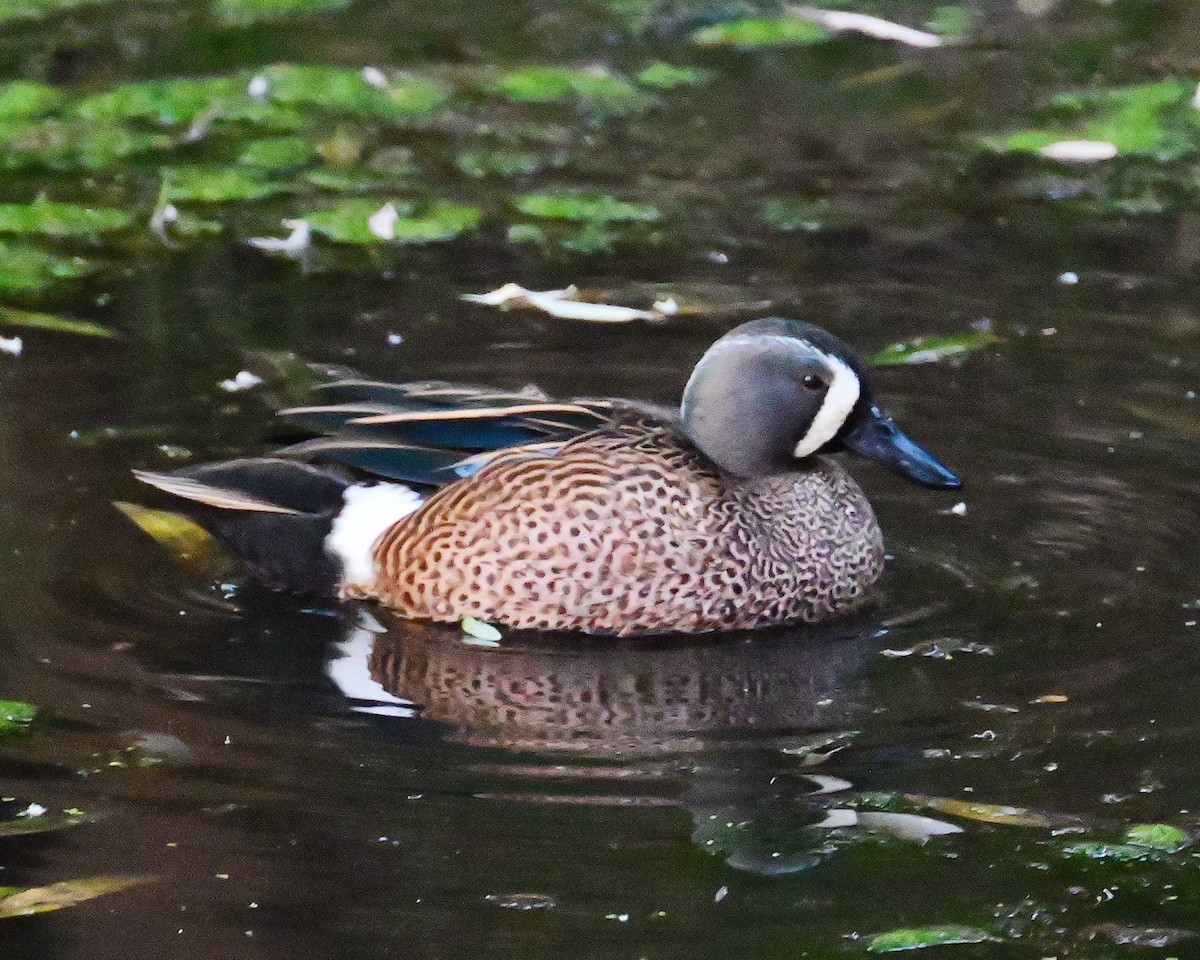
(305, 781)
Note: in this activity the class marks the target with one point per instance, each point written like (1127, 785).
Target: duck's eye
(813, 382)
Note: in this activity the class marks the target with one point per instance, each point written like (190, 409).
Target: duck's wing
(432, 432)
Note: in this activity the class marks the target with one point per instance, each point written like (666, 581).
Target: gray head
(772, 392)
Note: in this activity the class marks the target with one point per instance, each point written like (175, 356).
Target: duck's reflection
(597, 699)
(724, 728)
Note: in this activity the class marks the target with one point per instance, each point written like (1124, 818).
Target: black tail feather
(273, 514)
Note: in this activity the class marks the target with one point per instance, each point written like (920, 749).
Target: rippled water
(329, 782)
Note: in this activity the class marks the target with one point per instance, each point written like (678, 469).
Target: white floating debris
(297, 242)
(1069, 279)
(835, 819)
(513, 292)
(162, 217)
(591, 312)
(258, 87)
(374, 77)
(907, 826)
(826, 784)
(33, 810)
(382, 223)
(1196, 98)
(12, 346)
(1079, 151)
(395, 339)
(565, 305)
(478, 630)
(721, 894)
(959, 509)
(243, 381)
(840, 21)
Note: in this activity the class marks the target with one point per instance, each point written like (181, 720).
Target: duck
(614, 517)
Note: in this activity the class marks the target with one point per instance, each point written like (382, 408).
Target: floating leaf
(243, 12)
(1149, 118)
(211, 184)
(343, 90)
(16, 716)
(27, 270)
(71, 144)
(984, 812)
(951, 21)
(664, 76)
(1099, 850)
(349, 221)
(592, 208)
(183, 537)
(596, 88)
(29, 320)
(917, 938)
(352, 222)
(498, 163)
(172, 103)
(932, 349)
(52, 219)
(277, 153)
(439, 221)
(808, 216)
(24, 99)
(348, 181)
(752, 32)
(1157, 836)
(47, 822)
(66, 893)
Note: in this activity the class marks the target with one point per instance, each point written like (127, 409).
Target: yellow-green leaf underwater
(32, 320)
(934, 348)
(917, 938)
(65, 893)
(183, 537)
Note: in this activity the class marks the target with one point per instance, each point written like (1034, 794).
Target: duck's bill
(878, 439)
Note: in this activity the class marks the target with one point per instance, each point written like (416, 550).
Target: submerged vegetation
(454, 148)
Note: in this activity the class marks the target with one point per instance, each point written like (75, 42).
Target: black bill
(877, 438)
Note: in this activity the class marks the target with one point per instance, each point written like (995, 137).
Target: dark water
(327, 786)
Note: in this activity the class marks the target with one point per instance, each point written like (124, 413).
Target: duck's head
(771, 392)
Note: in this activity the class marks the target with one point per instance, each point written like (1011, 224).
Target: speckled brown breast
(630, 530)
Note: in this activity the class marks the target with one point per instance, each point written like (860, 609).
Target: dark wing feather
(428, 466)
(432, 432)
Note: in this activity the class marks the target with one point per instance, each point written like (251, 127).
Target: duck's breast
(809, 545)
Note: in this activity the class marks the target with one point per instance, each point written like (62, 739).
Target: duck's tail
(297, 527)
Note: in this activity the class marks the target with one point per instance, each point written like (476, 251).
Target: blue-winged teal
(444, 501)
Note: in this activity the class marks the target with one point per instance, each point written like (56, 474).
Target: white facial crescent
(840, 399)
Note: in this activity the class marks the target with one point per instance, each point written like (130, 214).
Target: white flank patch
(370, 510)
(840, 399)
